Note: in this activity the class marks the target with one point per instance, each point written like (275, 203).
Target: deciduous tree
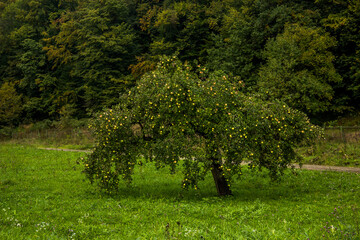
(10, 104)
(299, 69)
(95, 44)
(202, 120)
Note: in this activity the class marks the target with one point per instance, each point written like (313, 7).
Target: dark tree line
(72, 58)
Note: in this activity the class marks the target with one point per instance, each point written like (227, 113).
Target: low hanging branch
(202, 120)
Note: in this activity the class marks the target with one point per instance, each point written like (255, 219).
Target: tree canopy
(299, 69)
(202, 119)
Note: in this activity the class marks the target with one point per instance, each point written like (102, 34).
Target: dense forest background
(71, 58)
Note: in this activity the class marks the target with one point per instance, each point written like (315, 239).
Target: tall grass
(340, 147)
(67, 133)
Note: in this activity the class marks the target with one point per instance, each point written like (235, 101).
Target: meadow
(44, 195)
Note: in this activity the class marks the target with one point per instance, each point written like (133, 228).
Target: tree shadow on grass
(250, 187)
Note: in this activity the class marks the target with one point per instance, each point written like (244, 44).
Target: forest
(73, 58)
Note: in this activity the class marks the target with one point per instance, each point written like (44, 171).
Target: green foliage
(81, 55)
(23, 61)
(299, 69)
(31, 65)
(181, 27)
(201, 118)
(96, 43)
(10, 104)
(342, 20)
(244, 32)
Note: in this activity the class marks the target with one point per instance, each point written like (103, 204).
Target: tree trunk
(222, 186)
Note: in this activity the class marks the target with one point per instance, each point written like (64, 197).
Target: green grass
(44, 195)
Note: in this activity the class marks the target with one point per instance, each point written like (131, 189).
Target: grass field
(44, 195)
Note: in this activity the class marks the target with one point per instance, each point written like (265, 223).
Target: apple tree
(180, 115)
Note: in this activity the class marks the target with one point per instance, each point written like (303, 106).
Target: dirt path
(66, 150)
(329, 168)
(304, 166)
